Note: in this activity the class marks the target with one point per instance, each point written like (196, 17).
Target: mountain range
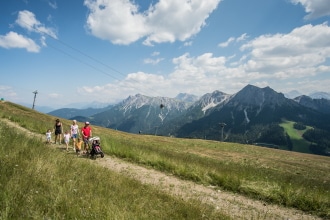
(251, 115)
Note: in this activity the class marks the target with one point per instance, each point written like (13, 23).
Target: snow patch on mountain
(211, 100)
(261, 102)
(212, 104)
(246, 116)
(134, 102)
(161, 116)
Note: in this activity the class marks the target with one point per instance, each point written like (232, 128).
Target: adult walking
(58, 130)
(86, 132)
(74, 131)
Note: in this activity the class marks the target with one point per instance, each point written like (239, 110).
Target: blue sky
(105, 50)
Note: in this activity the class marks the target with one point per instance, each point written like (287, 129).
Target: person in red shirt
(86, 132)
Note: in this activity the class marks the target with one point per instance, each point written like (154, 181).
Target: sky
(83, 51)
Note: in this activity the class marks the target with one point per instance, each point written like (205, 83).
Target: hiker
(86, 132)
(58, 131)
(74, 131)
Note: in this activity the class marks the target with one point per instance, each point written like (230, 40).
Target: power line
(81, 61)
(89, 57)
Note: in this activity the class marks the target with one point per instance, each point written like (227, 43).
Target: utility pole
(222, 125)
(35, 96)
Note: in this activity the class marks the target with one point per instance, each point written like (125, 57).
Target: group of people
(73, 134)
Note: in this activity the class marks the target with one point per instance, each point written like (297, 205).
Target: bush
(299, 126)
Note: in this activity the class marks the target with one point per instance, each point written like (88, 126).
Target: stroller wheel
(102, 155)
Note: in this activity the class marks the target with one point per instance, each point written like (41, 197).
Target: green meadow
(298, 142)
(39, 182)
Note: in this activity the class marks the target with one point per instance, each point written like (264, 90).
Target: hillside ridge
(234, 205)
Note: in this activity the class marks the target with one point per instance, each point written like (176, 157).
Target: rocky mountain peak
(292, 94)
(252, 95)
(320, 95)
(211, 100)
(136, 101)
(321, 105)
(186, 97)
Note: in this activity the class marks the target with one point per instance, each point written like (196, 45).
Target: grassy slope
(282, 177)
(299, 143)
(39, 182)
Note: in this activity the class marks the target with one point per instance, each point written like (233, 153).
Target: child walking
(67, 139)
(48, 136)
(78, 144)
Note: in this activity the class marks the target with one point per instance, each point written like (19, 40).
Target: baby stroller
(96, 148)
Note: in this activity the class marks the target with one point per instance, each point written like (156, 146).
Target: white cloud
(188, 43)
(243, 37)
(14, 40)
(167, 21)
(305, 48)
(226, 44)
(202, 74)
(52, 4)
(279, 61)
(134, 83)
(43, 41)
(171, 20)
(152, 61)
(315, 8)
(54, 95)
(196, 75)
(27, 20)
(115, 20)
(156, 53)
(7, 92)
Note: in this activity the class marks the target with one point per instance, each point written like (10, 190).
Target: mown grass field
(299, 143)
(275, 176)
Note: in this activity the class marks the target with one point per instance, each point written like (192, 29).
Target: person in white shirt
(74, 132)
(48, 136)
(66, 137)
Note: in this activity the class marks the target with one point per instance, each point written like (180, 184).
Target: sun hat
(87, 123)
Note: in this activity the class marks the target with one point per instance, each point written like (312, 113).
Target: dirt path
(234, 205)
